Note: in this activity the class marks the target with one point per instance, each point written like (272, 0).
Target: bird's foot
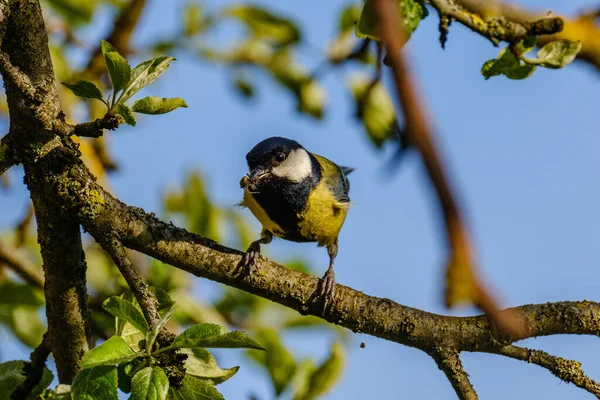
(327, 289)
(248, 262)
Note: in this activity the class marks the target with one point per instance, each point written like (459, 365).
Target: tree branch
(93, 129)
(33, 371)
(462, 284)
(16, 76)
(21, 265)
(579, 28)
(496, 28)
(146, 300)
(26, 43)
(449, 362)
(8, 157)
(566, 370)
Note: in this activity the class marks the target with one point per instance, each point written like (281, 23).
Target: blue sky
(523, 156)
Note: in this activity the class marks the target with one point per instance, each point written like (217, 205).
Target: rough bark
(32, 114)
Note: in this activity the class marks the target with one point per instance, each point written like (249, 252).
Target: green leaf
(118, 68)
(27, 325)
(19, 294)
(198, 338)
(349, 17)
(200, 331)
(375, 108)
(195, 389)
(558, 53)
(507, 64)
(201, 364)
(84, 89)
(126, 114)
(11, 376)
(99, 383)
(412, 11)
(151, 383)
(278, 361)
(265, 25)
(194, 21)
(144, 74)
(112, 352)
(527, 44)
(312, 99)
(158, 105)
(328, 374)
(301, 379)
(126, 311)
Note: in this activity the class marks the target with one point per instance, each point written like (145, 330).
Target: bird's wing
(335, 178)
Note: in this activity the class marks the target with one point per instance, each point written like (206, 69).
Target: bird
(297, 196)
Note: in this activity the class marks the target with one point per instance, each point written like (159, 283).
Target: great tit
(298, 196)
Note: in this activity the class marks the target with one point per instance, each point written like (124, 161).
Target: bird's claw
(249, 260)
(327, 288)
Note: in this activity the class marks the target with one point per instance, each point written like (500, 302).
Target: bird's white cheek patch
(296, 167)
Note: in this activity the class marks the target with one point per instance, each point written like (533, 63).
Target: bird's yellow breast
(323, 217)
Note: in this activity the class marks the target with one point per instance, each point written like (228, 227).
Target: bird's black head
(280, 159)
(271, 152)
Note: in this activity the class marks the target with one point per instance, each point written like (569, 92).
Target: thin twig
(22, 227)
(20, 264)
(33, 371)
(8, 158)
(495, 28)
(448, 361)
(147, 302)
(566, 370)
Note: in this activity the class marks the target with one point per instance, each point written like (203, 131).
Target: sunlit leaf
(157, 105)
(558, 53)
(375, 109)
(328, 374)
(111, 352)
(126, 311)
(118, 68)
(144, 74)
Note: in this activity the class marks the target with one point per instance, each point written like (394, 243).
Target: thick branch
(26, 47)
(566, 370)
(449, 362)
(33, 371)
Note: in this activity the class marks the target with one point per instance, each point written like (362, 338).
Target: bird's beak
(257, 174)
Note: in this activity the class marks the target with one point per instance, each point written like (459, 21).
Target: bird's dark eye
(279, 157)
